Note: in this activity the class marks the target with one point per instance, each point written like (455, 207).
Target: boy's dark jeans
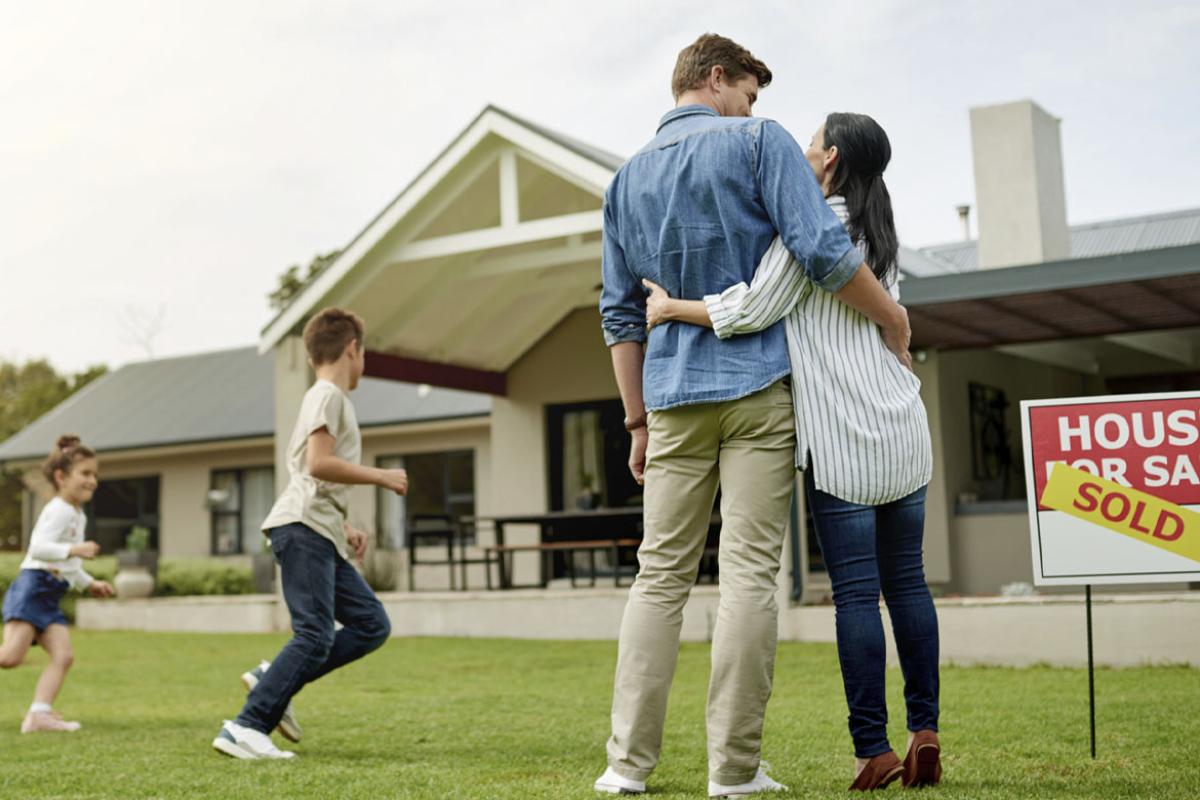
(868, 550)
(319, 586)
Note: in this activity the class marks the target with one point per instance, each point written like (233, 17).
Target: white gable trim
(545, 152)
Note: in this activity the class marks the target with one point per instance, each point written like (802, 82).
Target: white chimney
(1019, 195)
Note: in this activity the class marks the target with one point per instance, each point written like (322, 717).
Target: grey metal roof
(1068, 274)
(218, 396)
(915, 264)
(1111, 237)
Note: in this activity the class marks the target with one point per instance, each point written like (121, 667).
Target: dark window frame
(449, 498)
(215, 513)
(555, 440)
(151, 520)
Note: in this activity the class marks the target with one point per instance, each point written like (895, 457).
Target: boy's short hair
(696, 61)
(327, 334)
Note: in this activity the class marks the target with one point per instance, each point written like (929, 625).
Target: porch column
(938, 502)
(292, 379)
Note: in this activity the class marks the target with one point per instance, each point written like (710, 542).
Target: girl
(863, 441)
(53, 564)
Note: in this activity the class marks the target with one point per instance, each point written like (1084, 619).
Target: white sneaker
(241, 742)
(612, 783)
(37, 721)
(288, 726)
(761, 784)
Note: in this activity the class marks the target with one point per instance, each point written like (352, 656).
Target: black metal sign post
(1091, 669)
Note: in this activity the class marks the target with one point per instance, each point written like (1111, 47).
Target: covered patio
(985, 340)
(484, 275)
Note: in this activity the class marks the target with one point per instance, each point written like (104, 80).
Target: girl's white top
(60, 526)
(858, 410)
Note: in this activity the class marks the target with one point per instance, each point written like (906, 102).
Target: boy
(311, 541)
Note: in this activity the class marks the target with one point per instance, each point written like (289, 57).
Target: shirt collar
(685, 111)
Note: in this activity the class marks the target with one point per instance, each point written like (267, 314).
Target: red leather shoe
(923, 764)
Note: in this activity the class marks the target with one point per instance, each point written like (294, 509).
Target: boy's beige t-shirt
(318, 504)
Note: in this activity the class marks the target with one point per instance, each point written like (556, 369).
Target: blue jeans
(319, 586)
(869, 549)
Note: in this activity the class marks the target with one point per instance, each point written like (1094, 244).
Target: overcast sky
(174, 158)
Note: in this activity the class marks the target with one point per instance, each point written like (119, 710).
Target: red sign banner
(1149, 445)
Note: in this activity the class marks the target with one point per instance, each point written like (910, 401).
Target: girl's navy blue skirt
(34, 597)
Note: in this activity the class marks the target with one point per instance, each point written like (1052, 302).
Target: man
(694, 211)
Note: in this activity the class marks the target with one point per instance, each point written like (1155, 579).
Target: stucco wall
(184, 477)
(570, 365)
(988, 548)
(185, 522)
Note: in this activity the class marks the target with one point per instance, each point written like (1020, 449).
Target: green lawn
(455, 718)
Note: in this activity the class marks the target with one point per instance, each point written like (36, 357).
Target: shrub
(177, 577)
(181, 577)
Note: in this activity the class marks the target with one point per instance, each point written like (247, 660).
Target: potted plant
(137, 565)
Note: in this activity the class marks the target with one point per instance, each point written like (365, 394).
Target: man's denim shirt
(694, 211)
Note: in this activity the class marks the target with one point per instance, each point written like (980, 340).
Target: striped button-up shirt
(858, 409)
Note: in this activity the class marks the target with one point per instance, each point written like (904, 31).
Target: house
(186, 448)
(480, 283)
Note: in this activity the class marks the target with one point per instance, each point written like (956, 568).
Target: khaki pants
(748, 447)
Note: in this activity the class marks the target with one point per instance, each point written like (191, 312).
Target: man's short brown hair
(696, 61)
(327, 334)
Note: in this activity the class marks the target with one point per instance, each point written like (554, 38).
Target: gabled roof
(601, 157)
(211, 397)
(1107, 238)
(587, 165)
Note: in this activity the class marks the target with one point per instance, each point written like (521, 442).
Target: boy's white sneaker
(612, 783)
(761, 784)
(246, 743)
(288, 726)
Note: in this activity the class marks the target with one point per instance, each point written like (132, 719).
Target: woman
(863, 441)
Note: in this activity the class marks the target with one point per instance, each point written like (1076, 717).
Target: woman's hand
(898, 337)
(658, 305)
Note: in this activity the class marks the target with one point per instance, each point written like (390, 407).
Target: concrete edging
(1130, 630)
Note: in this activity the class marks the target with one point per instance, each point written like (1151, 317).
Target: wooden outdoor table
(559, 528)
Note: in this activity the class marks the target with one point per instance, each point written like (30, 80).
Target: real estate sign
(1114, 488)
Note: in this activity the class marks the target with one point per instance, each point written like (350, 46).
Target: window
(589, 456)
(439, 485)
(240, 500)
(120, 505)
(991, 452)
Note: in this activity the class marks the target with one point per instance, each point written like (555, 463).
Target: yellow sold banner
(1127, 511)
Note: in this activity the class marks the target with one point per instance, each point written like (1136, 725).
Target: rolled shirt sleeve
(778, 284)
(622, 299)
(810, 230)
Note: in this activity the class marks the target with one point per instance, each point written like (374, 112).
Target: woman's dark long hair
(863, 154)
